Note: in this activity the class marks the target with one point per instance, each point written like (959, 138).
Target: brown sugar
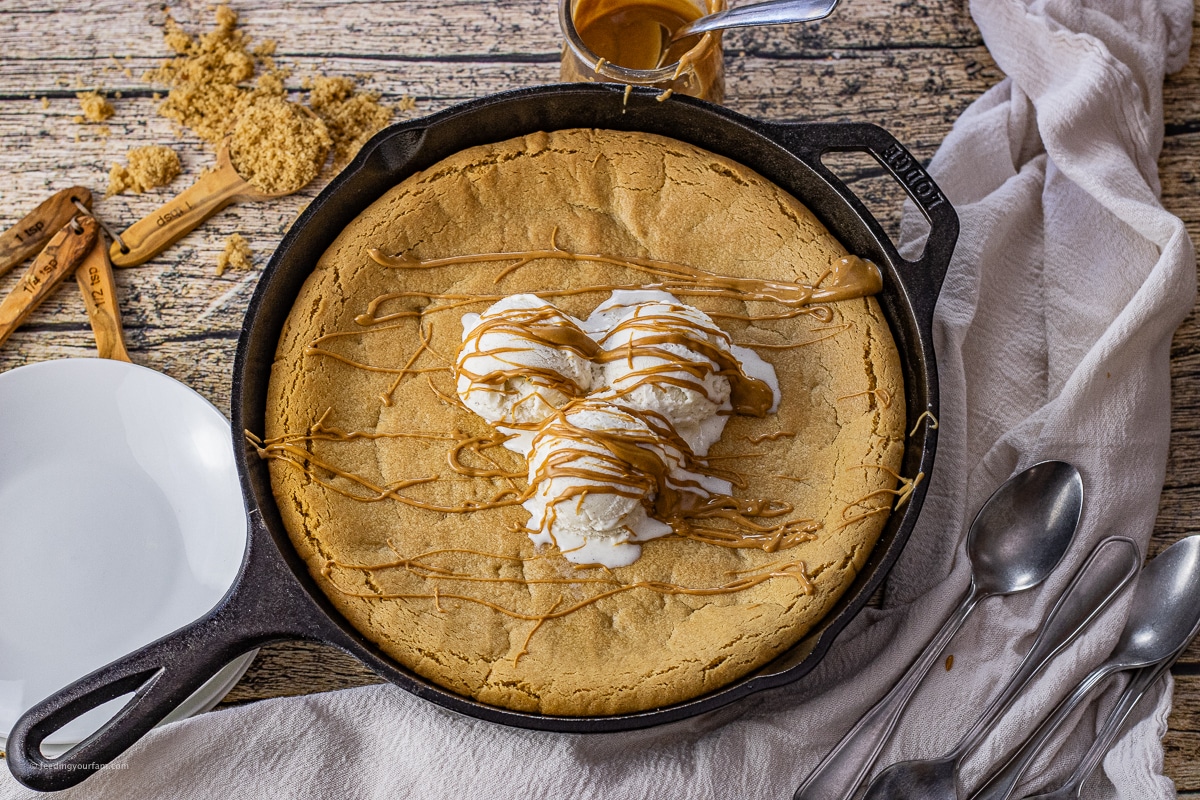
(204, 77)
(146, 168)
(237, 254)
(352, 117)
(210, 91)
(95, 107)
(278, 146)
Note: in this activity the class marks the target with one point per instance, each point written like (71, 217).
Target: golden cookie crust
(599, 192)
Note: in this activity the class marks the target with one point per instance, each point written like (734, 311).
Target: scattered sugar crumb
(352, 117)
(95, 107)
(45, 102)
(406, 103)
(237, 254)
(147, 168)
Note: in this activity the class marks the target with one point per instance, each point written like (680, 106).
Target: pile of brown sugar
(237, 254)
(278, 146)
(95, 106)
(211, 91)
(206, 76)
(147, 168)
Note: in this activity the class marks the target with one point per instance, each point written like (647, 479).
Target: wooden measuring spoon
(31, 234)
(211, 192)
(99, 289)
(66, 250)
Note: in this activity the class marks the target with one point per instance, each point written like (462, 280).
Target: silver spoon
(1107, 571)
(774, 12)
(1138, 684)
(1015, 541)
(1163, 618)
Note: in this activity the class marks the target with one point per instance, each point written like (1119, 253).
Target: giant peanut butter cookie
(585, 328)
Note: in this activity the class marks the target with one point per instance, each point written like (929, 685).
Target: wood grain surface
(911, 67)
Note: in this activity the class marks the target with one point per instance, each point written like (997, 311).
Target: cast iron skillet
(274, 597)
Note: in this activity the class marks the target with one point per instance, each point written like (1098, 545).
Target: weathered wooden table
(912, 67)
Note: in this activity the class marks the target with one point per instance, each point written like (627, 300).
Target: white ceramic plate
(121, 520)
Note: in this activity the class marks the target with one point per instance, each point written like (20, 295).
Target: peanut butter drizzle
(851, 276)
(902, 494)
(833, 331)
(629, 468)
(925, 415)
(881, 395)
(539, 327)
(628, 463)
(304, 461)
(658, 333)
(625, 467)
(418, 567)
(770, 437)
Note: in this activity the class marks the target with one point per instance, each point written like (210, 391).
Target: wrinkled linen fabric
(1052, 334)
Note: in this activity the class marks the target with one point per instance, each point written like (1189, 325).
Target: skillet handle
(259, 608)
(810, 141)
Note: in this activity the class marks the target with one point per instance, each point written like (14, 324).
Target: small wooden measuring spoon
(99, 289)
(65, 252)
(33, 231)
(211, 192)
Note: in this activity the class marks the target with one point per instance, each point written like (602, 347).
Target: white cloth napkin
(1052, 334)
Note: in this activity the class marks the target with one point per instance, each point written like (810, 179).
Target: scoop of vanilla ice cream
(597, 471)
(609, 412)
(520, 361)
(659, 358)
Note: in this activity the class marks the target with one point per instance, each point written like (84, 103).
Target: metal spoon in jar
(1098, 582)
(1163, 617)
(774, 12)
(1014, 543)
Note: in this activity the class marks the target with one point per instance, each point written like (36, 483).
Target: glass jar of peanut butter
(626, 41)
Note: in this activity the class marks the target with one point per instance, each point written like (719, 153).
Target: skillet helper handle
(178, 217)
(162, 675)
(926, 273)
(33, 231)
(265, 604)
(62, 255)
(99, 289)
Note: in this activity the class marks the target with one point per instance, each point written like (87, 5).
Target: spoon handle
(1107, 571)
(840, 773)
(59, 259)
(154, 233)
(99, 289)
(772, 12)
(1138, 685)
(1003, 783)
(35, 229)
